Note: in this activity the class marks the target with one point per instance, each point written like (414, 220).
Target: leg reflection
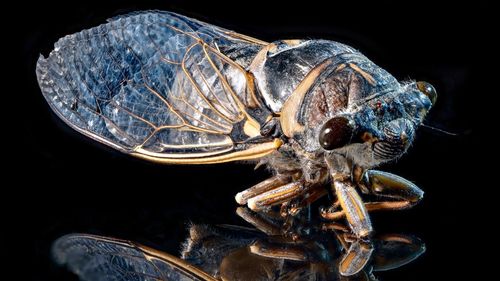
(303, 250)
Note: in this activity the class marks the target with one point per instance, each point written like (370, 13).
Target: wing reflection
(275, 248)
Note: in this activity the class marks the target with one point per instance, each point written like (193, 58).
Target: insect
(170, 89)
(230, 252)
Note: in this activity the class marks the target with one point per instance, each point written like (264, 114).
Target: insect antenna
(439, 130)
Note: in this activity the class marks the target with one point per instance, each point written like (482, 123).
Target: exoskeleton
(170, 89)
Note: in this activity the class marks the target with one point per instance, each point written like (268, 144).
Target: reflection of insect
(170, 89)
(229, 252)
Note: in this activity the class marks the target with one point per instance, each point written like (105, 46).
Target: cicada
(171, 89)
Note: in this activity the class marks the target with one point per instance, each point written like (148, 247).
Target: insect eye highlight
(336, 133)
(428, 90)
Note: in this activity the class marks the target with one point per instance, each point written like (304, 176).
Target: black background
(67, 183)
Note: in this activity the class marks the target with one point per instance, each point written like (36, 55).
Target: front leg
(402, 194)
(264, 186)
(276, 196)
(279, 189)
(352, 207)
(294, 190)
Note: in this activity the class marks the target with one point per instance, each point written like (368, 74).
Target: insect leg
(358, 251)
(355, 259)
(271, 183)
(335, 226)
(261, 223)
(404, 194)
(287, 251)
(314, 193)
(352, 207)
(396, 250)
(276, 196)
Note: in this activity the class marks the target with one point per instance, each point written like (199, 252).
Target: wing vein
(165, 101)
(183, 99)
(209, 87)
(196, 87)
(133, 114)
(233, 94)
(243, 71)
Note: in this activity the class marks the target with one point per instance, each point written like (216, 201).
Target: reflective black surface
(302, 249)
(70, 184)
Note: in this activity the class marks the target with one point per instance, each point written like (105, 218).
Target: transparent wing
(159, 86)
(95, 258)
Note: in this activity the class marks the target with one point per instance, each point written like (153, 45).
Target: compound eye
(428, 90)
(336, 133)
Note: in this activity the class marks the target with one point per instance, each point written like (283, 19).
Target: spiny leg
(403, 192)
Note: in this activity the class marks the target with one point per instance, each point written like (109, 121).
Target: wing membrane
(159, 86)
(95, 258)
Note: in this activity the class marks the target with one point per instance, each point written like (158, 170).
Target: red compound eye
(379, 104)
